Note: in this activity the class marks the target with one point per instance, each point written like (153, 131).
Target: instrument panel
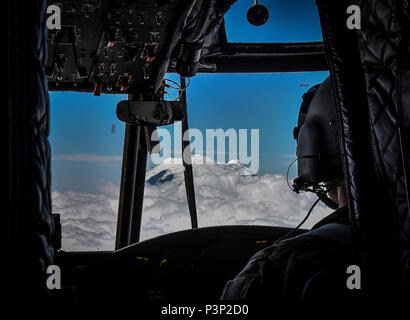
(110, 46)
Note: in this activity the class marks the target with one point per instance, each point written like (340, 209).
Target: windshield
(254, 113)
(233, 185)
(87, 143)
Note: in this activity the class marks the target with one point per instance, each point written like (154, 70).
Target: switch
(97, 88)
(123, 82)
(111, 37)
(113, 70)
(60, 66)
(149, 52)
(141, 17)
(159, 18)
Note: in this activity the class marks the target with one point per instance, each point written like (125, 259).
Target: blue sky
(289, 21)
(87, 139)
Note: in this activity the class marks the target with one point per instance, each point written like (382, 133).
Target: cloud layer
(223, 196)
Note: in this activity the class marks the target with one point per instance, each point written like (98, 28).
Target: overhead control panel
(112, 46)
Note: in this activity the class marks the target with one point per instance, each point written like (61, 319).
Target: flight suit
(298, 269)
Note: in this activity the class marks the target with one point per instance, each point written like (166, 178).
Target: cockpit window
(285, 24)
(87, 143)
(232, 187)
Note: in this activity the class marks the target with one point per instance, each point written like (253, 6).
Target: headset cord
(293, 231)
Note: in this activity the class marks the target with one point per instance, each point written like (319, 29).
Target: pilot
(311, 266)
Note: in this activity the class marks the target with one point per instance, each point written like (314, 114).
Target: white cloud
(88, 219)
(223, 196)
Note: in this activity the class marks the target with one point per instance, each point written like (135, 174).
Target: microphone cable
(294, 230)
